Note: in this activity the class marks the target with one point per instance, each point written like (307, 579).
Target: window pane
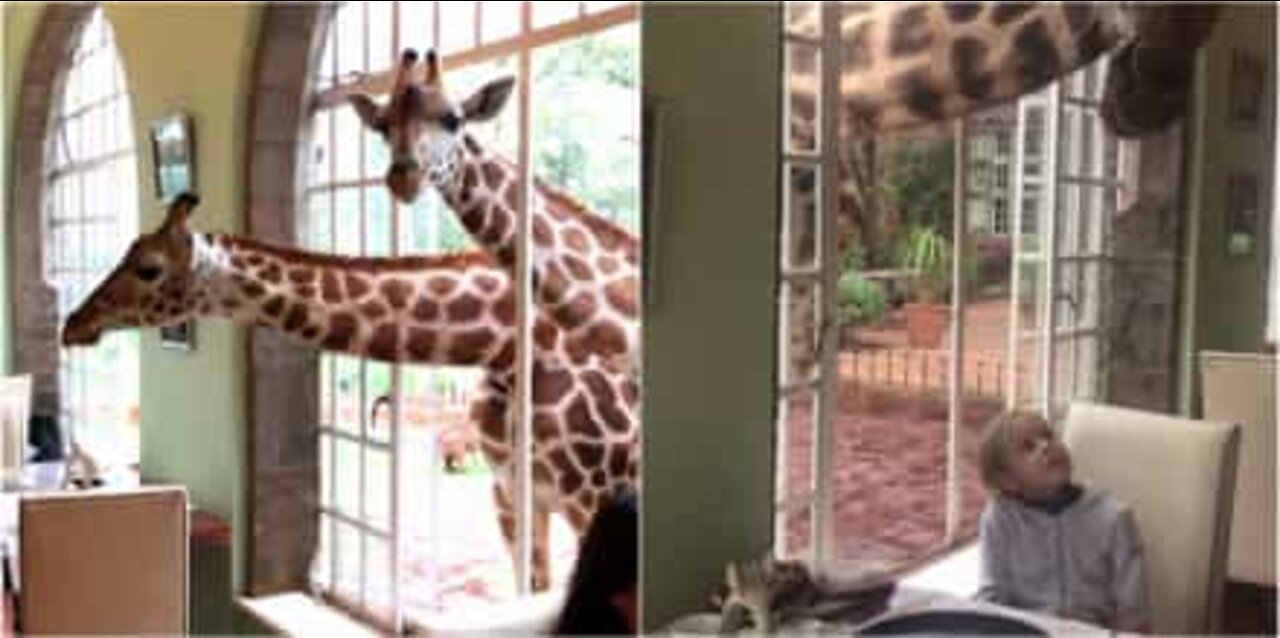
(587, 121)
(90, 214)
(548, 13)
(349, 228)
(801, 307)
(326, 471)
(348, 130)
(350, 39)
(803, 18)
(378, 387)
(797, 421)
(500, 19)
(804, 93)
(801, 217)
(797, 532)
(377, 486)
(347, 389)
(346, 471)
(378, 215)
(417, 20)
(380, 53)
(346, 581)
(321, 156)
(457, 25)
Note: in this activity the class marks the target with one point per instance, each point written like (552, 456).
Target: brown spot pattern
(342, 328)
(330, 289)
(274, 306)
(373, 310)
(578, 268)
(441, 286)
(302, 275)
(356, 287)
(272, 273)
(425, 309)
(621, 294)
(396, 292)
(384, 342)
(575, 239)
(463, 309)
(296, 318)
(579, 418)
(550, 385)
(468, 347)
(420, 344)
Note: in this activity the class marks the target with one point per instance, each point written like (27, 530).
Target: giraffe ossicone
(454, 309)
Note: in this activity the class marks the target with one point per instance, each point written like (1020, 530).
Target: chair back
(15, 412)
(1178, 475)
(104, 561)
(1241, 388)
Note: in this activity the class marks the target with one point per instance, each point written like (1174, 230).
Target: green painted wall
(1228, 295)
(196, 58)
(19, 25)
(709, 328)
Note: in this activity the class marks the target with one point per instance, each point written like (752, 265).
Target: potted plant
(927, 254)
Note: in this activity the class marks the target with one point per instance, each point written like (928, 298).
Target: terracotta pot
(926, 324)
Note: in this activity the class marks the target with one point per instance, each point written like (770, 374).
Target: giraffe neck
(447, 310)
(913, 63)
(586, 270)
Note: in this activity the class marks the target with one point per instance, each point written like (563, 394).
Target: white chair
(1241, 388)
(104, 561)
(1178, 475)
(15, 410)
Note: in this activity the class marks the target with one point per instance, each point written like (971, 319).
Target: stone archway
(35, 303)
(282, 475)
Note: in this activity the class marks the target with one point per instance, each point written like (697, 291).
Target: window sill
(297, 614)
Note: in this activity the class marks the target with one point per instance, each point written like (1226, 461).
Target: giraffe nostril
(405, 167)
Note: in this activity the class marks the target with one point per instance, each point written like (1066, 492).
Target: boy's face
(1039, 463)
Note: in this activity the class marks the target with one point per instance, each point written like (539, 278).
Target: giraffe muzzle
(79, 331)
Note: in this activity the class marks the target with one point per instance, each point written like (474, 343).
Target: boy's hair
(994, 451)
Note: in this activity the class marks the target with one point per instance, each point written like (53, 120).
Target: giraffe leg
(541, 535)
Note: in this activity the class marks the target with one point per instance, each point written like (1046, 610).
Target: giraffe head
(1149, 78)
(422, 126)
(151, 286)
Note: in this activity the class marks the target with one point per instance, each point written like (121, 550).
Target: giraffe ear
(367, 110)
(488, 100)
(180, 209)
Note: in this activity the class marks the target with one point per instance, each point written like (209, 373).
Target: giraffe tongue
(1146, 90)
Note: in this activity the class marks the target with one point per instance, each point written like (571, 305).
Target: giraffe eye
(450, 121)
(148, 272)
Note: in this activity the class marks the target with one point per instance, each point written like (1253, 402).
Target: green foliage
(918, 182)
(928, 253)
(586, 122)
(858, 300)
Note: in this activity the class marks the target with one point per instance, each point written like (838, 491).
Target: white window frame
(1064, 241)
(1074, 334)
(538, 27)
(83, 148)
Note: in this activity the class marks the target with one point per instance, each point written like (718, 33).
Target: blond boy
(1048, 544)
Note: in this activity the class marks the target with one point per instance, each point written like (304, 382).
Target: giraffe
(909, 64)
(586, 269)
(455, 309)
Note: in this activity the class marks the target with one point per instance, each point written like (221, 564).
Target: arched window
(89, 216)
